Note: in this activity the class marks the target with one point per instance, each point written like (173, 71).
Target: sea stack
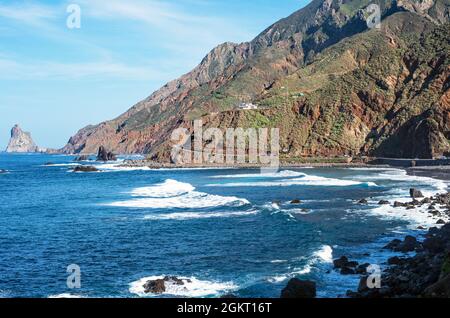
(21, 141)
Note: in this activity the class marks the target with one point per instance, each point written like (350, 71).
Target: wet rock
(363, 201)
(395, 260)
(409, 244)
(399, 204)
(440, 221)
(81, 158)
(434, 244)
(393, 244)
(104, 155)
(296, 201)
(440, 289)
(85, 169)
(340, 262)
(352, 264)
(362, 269)
(347, 271)
(414, 193)
(158, 286)
(426, 201)
(383, 202)
(297, 288)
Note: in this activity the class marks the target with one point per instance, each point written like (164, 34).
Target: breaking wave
(192, 287)
(175, 194)
(322, 255)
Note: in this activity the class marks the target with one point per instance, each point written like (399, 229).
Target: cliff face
(21, 141)
(330, 84)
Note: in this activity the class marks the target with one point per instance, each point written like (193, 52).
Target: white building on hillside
(246, 106)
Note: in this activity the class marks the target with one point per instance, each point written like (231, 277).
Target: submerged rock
(383, 202)
(296, 201)
(85, 169)
(297, 288)
(3, 171)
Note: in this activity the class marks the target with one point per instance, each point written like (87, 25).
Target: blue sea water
(227, 230)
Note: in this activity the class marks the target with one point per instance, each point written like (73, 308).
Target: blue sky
(55, 80)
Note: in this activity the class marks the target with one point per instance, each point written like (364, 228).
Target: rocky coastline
(425, 274)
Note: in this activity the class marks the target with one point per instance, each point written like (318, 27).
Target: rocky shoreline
(426, 274)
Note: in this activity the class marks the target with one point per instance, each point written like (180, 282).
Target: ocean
(226, 230)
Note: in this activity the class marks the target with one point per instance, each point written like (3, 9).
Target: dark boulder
(82, 158)
(104, 155)
(362, 269)
(383, 202)
(393, 244)
(297, 288)
(158, 286)
(440, 221)
(434, 244)
(85, 169)
(441, 289)
(395, 260)
(363, 201)
(347, 271)
(340, 262)
(296, 201)
(414, 193)
(409, 244)
(399, 204)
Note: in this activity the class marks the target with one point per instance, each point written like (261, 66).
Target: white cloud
(30, 14)
(40, 70)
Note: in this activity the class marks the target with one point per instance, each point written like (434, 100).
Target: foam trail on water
(197, 215)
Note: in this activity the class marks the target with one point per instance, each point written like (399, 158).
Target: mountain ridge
(251, 71)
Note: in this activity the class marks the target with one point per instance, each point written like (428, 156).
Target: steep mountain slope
(331, 85)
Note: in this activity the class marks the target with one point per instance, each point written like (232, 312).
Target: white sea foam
(398, 175)
(65, 295)
(117, 167)
(61, 165)
(197, 215)
(280, 174)
(192, 287)
(308, 180)
(174, 194)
